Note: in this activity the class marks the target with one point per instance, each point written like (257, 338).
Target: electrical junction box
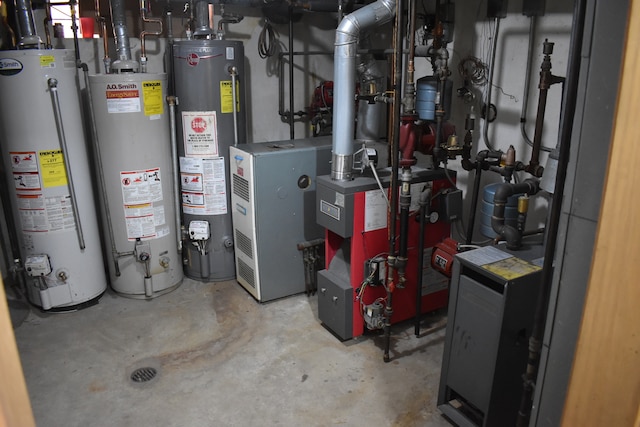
(490, 318)
(273, 192)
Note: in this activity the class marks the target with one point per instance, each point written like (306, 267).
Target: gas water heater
(211, 118)
(47, 168)
(135, 163)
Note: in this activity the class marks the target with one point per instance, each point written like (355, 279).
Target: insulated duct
(347, 33)
(123, 49)
(26, 25)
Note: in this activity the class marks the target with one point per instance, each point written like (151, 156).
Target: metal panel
(281, 178)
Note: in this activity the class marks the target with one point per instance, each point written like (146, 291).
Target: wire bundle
(267, 41)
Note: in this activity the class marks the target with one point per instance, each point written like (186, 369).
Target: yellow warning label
(152, 95)
(52, 166)
(226, 96)
(511, 268)
(47, 61)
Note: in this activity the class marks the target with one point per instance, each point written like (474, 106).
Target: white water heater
(47, 169)
(134, 159)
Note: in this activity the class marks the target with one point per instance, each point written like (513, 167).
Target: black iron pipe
(566, 126)
(512, 236)
(424, 199)
(474, 203)
(393, 188)
(291, 124)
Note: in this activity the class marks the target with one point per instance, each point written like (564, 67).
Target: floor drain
(142, 375)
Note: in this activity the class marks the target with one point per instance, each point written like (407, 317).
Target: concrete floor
(223, 360)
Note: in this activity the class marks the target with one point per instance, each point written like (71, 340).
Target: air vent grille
(241, 187)
(244, 244)
(246, 273)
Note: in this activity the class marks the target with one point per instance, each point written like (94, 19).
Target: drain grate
(142, 375)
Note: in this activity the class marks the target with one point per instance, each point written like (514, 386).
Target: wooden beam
(15, 407)
(604, 389)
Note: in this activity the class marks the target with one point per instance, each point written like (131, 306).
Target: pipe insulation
(347, 34)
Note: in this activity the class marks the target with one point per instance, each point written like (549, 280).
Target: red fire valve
(442, 256)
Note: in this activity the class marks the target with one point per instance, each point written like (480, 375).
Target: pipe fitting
(512, 235)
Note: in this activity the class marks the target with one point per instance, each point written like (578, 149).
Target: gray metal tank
(208, 124)
(135, 158)
(47, 167)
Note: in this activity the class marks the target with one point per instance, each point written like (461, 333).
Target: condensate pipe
(57, 113)
(143, 50)
(172, 101)
(347, 33)
(512, 235)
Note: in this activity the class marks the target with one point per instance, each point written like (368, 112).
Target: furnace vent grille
(246, 272)
(241, 187)
(244, 244)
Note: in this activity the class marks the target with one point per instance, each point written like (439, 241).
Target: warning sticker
(141, 195)
(204, 187)
(23, 161)
(143, 186)
(226, 96)
(42, 215)
(511, 268)
(123, 98)
(28, 181)
(152, 94)
(54, 173)
(200, 133)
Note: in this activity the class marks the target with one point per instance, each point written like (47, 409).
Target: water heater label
(203, 184)
(152, 94)
(123, 98)
(9, 66)
(142, 203)
(226, 96)
(200, 134)
(54, 173)
(48, 61)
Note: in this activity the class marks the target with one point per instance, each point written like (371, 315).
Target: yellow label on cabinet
(511, 268)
